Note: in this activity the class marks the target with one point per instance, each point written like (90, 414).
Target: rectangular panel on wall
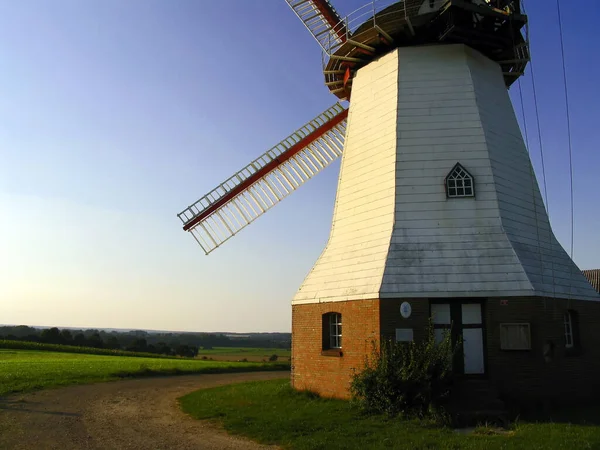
(404, 335)
(440, 313)
(471, 313)
(515, 336)
(439, 334)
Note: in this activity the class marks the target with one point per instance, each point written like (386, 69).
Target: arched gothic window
(460, 183)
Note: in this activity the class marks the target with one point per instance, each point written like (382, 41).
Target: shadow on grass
(29, 407)
(582, 415)
(147, 372)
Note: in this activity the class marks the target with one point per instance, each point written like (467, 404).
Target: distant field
(39, 346)
(251, 354)
(26, 370)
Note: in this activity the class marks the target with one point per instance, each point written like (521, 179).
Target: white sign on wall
(404, 334)
(405, 310)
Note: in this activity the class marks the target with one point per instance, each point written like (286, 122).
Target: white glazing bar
(322, 151)
(331, 145)
(215, 232)
(265, 195)
(306, 158)
(270, 181)
(250, 202)
(290, 167)
(220, 216)
(230, 213)
(207, 248)
(282, 183)
(314, 150)
(208, 234)
(240, 209)
(302, 161)
(301, 167)
(271, 189)
(290, 180)
(252, 196)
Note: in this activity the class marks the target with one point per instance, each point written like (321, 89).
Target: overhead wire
(566, 89)
(541, 144)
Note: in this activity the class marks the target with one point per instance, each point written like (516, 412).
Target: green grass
(272, 413)
(26, 370)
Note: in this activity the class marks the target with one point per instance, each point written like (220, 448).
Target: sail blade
(252, 191)
(322, 21)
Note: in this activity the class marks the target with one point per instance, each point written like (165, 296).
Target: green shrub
(408, 378)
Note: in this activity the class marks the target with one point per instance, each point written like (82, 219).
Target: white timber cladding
(524, 218)
(415, 113)
(352, 264)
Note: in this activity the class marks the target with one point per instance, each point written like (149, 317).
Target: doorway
(464, 319)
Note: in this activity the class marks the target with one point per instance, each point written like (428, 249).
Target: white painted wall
(351, 266)
(524, 219)
(394, 232)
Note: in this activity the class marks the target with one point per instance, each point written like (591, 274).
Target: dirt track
(131, 414)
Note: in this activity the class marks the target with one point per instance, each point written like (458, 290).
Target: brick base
(521, 376)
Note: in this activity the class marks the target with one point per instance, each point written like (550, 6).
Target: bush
(410, 378)
(273, 358)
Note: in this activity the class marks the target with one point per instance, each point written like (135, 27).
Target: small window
(571, 329)
(460, 183)
(515, 336)
(332, 331)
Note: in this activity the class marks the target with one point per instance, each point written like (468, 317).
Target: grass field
(26, 370)
(251, 354)
(39, 346)
(272, 413)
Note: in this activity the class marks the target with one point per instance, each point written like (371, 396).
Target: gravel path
(131, 414)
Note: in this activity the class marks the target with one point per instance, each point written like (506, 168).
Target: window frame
(335, 331)
(568, 328)
(332, 333)
(574, 348)
(466, 177)
(504, 344)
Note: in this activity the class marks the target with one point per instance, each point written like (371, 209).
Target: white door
(472, 333)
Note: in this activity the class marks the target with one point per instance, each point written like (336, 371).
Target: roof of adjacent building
(594, 277)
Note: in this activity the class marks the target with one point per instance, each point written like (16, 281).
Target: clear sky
(115, 115)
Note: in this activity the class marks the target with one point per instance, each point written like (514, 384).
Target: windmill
(438, 212)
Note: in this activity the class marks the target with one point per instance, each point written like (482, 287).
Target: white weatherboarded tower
(415, 113)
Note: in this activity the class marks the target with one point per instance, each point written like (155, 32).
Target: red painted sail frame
(267, 168)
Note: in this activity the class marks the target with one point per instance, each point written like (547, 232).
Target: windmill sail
(267, 180)
(322, 20)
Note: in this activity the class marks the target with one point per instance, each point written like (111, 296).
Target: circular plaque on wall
(405, 310)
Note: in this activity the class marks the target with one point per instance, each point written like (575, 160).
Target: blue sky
(114, 116)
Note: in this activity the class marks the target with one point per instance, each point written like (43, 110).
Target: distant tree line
(180, 344)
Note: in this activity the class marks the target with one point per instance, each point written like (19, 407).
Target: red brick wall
(330, 376)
